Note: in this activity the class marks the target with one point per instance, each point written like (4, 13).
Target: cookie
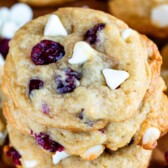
(148, 17)
(51, 84)
(30, 155)
(39, 3)
(144, 128)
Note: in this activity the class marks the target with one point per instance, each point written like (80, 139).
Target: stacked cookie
(81, 86)
(151, 15)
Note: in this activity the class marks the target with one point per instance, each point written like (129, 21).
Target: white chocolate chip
(21, 13)
(81, 53)
(126, 33)
(30, 163)
(159, 15)
(151, 135)
(93, 152)
(59, 156)
(2, 61)
(54, 27)
(9, 29)
(2, 137)
(114, 78)
(4, 14)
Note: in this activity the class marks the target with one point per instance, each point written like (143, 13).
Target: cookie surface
(88, 92)
(30, 152)
(151, 15)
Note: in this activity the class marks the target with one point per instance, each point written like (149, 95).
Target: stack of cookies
(83, 90)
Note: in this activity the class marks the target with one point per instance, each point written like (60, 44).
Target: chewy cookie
(30, 155)
(143, 129)
(80, 89)
(45, 2)
(55, 86)
(149, 17)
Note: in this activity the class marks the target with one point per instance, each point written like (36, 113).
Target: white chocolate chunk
(151, 135)
(54, 27)
(81, 53)
(59, 156)
(114, 78)
(93, 152)
(2, 137)
(2, 61)
(159, 15)
(4, 13)
(21, 13)
(8, 30)
(4, 16)
(126, 33)
(30, 163)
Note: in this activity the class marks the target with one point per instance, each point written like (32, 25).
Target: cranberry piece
(45, 108)
(4, 47)
(14, 154)
(102, 130)
(35, 84)
(81, 115)
(91, 35)
(166, 156)
(47, 52)
(68, 83)
(48, 144)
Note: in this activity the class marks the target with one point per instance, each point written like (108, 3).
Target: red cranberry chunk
(4, 47)
(68, 83)
(47, 143)
(14, 154)
(45, 108)
(102, 130)
(166, 156)
(35, 84)
(47, 52)
(91, 35)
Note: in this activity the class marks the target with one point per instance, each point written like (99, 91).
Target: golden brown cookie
(32, 155)
(148, 17)
(144, 128)
(59, 90)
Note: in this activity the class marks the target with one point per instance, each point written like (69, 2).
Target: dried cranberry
(4, 47)
(68, 83)
(35, 84)
(14, 154)
(81, 114)
(47, 143)
(166, 156)
(45, 108)
(91, 35)
(102, 130)
(47, 52)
